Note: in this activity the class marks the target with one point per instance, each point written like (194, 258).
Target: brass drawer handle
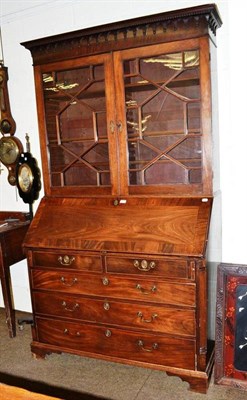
(153, 317)
(75, 306)
(141, 344)
(144, 291)
(63, 280)
(105, 281)
(67, 332)
(65, 260)
(144, 265)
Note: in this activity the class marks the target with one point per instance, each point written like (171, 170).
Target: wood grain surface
(153, 225)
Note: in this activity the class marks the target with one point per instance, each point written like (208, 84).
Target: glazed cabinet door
(164, 118)
(134, 121)
(77, 127)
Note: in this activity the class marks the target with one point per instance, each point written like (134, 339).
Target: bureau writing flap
(139, 225)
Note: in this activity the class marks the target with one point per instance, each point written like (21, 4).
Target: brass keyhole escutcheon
(105, 281)
(108, 333)
(106, 306)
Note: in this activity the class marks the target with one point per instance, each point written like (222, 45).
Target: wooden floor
(14, 393)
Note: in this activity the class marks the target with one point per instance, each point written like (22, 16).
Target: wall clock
(7, 123)
(28, 178)
(25, 178)
(10, 149)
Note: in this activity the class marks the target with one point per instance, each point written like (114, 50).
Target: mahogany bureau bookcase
(116, 250)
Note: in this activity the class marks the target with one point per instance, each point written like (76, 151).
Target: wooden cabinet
(116, 250)
(13, 227)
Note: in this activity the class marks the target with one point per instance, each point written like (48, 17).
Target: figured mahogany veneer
(150, 226)
(118, 343)
(164, 319)
(137, 289)
(116, 250)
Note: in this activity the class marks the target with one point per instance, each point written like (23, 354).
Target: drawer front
(67, 260)
(111, 286)
(149, 266)
(139, 346)
(149, 317)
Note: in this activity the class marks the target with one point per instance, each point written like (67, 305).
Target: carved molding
(144, 30)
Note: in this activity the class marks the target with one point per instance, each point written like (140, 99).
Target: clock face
(25, 178)
(9, 150)
(28, 177)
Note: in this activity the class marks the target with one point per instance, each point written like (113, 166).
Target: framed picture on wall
(231, 326)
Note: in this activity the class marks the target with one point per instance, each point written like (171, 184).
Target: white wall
(25, 20)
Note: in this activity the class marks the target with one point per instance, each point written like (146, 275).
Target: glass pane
(188, 149)
(136, 178)
(139, 151)
(79, 175)
(194, 117)
(71, 81)
(161, 68)
(132, 122)
(162, 98)
(195, 176)
(75, 108)
(191, 58)
(186, 84)
(98, 157)
(163, 113)
(165, 173)
(76, 121)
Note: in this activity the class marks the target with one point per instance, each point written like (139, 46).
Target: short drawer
(122, 344)
(163, 319)
(115, 287)
(177, 268)
(67, 260)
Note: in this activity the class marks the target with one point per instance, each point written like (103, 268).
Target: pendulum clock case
(117, 248)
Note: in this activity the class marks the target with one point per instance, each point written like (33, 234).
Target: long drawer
(111, 286)
(170, 320)
(140, 346)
